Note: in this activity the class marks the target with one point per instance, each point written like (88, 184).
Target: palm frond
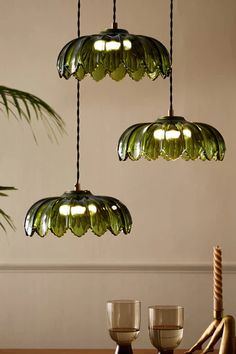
(4, 188)
(7, 219)
(25, 106)
(3, 215)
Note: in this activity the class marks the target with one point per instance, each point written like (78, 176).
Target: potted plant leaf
(25, 106)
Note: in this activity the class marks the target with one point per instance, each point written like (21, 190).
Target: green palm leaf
(3, 215)
(7, 219)
(26, 106)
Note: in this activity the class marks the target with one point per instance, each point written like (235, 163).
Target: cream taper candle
(218, 299)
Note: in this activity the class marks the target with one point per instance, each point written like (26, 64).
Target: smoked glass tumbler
(123, 318)
(166, 327)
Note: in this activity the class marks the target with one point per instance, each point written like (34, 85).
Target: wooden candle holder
(222, 326)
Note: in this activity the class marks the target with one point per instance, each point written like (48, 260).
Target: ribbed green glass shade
(171, 138)
(114, 52)
(78, 212)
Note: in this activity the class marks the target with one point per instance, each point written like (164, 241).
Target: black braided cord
(78, 107)
(171, 111)
(114, 15)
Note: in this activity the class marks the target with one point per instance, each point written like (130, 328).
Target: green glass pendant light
(115, 52)
(78, 210)
(171, 136)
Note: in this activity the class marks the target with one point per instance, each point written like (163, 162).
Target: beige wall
(54, 290)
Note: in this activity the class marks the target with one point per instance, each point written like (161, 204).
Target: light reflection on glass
(172, 134)
(99, 45)
(159, 134)
(77, 210)
(64, 210)
(102, 45)
(127, 44)
(92, 208)
(112, 45)
(187, 133)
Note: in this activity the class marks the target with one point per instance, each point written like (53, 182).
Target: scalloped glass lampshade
(77, 211)
(171, 137)
(114, 52)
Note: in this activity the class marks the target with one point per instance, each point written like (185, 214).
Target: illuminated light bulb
(64, 210)
(99, 45)
(114, 207)
(187, 133)
(172, 134)
(112, 45)
(92, 208)
(78, 209)
(159, 134)
(127, 44)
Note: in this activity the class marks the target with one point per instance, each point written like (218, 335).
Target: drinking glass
(123, 317)
(165, 327)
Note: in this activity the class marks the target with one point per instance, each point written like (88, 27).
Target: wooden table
(79, 351)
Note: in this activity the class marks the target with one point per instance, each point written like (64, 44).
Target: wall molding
(115, 268)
